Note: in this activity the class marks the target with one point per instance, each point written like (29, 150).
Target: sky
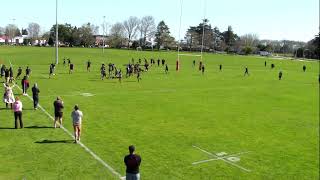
(271, 19)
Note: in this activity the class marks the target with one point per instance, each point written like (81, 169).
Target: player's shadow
(6, 128)
(39, 127)
(47, 141)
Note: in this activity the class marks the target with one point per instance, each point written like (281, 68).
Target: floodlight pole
(57, 33)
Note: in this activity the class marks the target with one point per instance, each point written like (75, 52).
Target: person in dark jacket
(132, 162)
(35, 96)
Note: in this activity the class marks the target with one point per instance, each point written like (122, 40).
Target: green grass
(164, 116)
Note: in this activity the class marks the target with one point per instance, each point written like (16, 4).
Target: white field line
(236, 165)
(80, 143)
(224, 157)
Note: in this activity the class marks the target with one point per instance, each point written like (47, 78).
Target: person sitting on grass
(132, 162)
(76, 116)
(58, 111)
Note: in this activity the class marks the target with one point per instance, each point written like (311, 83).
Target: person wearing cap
(17, 110)
(35, 95)
(76, 116)
(58, 113)
(132, 162)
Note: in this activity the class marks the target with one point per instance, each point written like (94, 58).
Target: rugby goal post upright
(179, 43)
(57, 33)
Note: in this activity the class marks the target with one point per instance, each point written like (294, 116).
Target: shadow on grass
(46, 141)
(7, 128)
(39, 127)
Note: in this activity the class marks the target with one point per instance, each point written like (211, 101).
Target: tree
(86, 33)
(248, 43)
(2, 31)
(195, 34)
(116, 35)
(24, 31)
(229, 38)
(130, 27)
(11, 31)
(65, 33)
(33, 30)
(147, 29)
(163, 38)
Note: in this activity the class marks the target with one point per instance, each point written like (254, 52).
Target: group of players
(132, 69)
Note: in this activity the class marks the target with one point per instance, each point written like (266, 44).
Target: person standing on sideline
(76, 116)
(35, 96)
(8, 96)
(132, 162)
(246, 72)
(17, 110)
(25, 85)
(58, 113)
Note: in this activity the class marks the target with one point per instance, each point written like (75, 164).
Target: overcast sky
(271, 19)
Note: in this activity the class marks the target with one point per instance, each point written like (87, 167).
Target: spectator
(35, 96)
(17, 109)
(76, 120)
(132, 162)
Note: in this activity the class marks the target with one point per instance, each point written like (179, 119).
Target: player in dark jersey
(246, 72)
(88, 65)
(280, 75)
(71, 67)
(19, 72)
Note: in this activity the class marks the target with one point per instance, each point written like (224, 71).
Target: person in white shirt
(76, 116)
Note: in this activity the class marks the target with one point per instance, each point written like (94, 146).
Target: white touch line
(224, 157)
(236, 165)
(80, 143)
